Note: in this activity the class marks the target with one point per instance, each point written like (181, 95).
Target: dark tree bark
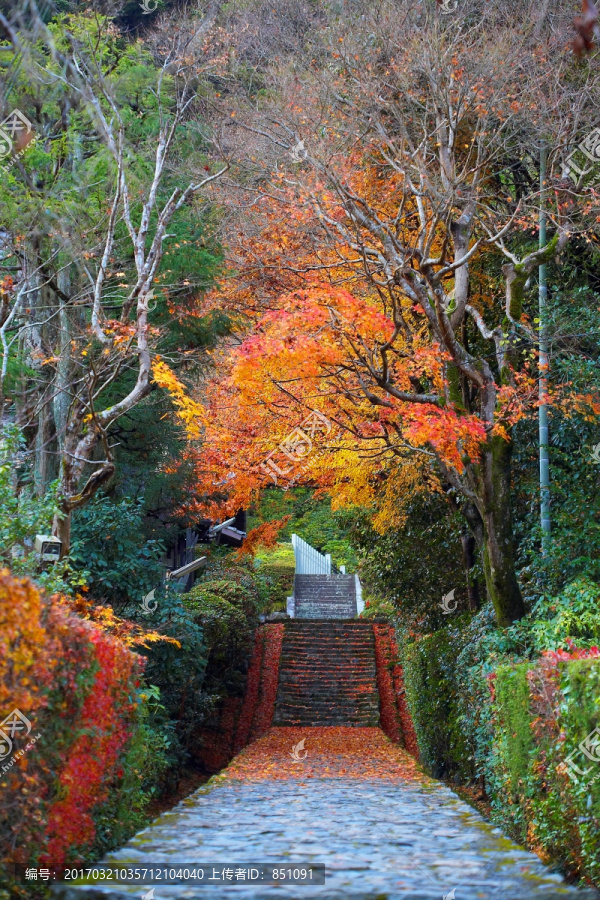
(469, 556)
(498, 552)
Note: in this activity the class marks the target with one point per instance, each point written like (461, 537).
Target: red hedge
(76, 684)
(395, 717)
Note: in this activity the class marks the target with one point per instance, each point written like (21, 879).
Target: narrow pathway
(355, 802)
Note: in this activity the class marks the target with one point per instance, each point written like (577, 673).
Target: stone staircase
(324, 597)
(327, 675)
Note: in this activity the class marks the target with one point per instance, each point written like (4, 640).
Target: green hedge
(515, 724)
(542, 713)
(432, 694)
(512, 725)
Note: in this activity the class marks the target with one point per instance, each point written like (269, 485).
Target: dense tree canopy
(315, 264)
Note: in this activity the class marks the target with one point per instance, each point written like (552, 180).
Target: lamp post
(543, 371)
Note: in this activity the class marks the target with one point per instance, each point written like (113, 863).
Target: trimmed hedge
(432, 690)
(88, 751)
(543, 712)
(515, 724)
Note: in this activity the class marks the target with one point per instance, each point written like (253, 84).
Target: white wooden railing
(308, 560)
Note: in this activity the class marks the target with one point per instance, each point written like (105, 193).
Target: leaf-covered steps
(327, 675)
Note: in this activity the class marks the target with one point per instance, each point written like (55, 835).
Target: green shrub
(144, 766)
(509, 758)
(23, 515)
(432, 695)
(410, 566)
(482, 707)
(228, 613)
(276, 568)
(541, 714)
(108, 541)
(376, 607)
(513, 718)
(179, 671)
(573, 615)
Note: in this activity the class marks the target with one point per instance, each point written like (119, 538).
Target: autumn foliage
(76, 684)
(243, 720)
(261, 690)
(396, 720)
(334, 752)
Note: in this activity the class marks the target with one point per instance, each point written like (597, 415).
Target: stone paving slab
(393, 837)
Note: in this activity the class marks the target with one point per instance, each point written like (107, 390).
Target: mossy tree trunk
(496, 532)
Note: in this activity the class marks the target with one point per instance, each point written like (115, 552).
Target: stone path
(357, 803)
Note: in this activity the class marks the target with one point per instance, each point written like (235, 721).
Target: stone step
(353, 649)
(336, 640)
(328, 628)
(350, 711)
(308, 611)
(315, 667)
(295, 707)
(308, 698)
(331, 580)
(310, 658)
(327, 675)
(336, 700)
(324, 597)
(339, 672)
(358, 688)
(309, 653)
(330, 720)
(351, 646)
(325, 601)
(329, 647)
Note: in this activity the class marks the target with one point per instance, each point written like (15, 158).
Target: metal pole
(543, 371)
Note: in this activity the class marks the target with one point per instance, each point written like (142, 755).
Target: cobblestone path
(356, 803)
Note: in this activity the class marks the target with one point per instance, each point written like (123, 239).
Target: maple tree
(385, 263)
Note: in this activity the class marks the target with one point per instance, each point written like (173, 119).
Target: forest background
(286, 260)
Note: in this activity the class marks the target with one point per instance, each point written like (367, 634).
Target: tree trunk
(498, 550)
(61, 528)
(468, 547)
(42, 458)
(61, 400)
